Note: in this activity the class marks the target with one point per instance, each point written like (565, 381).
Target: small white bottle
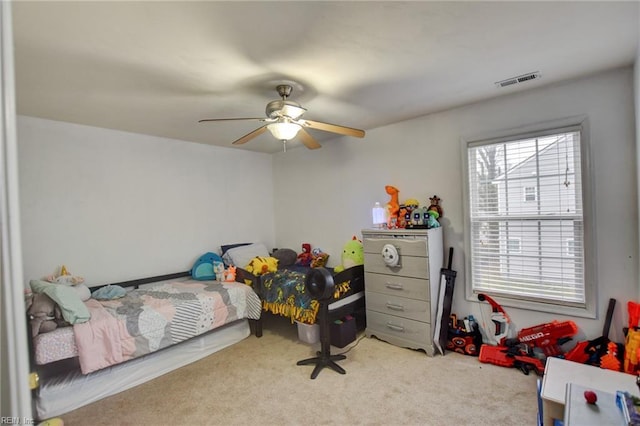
(378, 216)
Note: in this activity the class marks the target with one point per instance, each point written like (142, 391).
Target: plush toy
(352, 255)
(319, 258)
(64, 277)
(44, 314)
(393, 206)
(305, 258)
(432, 220)
(285, 256)
(230, 274)
(261, 265)
(435, 205)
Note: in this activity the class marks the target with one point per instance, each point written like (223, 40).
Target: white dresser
(401, 300)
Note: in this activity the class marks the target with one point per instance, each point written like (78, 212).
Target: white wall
(325, 196)
(636, 92)
(114, 206)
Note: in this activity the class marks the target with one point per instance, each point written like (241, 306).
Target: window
(513, 246)
(526, 228)
(530, 193)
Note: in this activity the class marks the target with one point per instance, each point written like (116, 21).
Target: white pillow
(241, 256)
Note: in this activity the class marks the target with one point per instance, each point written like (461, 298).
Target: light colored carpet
(257, 381)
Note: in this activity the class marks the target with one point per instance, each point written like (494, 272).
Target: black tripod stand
(320, 285)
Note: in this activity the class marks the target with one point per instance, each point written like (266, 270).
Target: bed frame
(168, 358)
(354, 274)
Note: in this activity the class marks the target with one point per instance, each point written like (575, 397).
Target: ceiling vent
(519, 79)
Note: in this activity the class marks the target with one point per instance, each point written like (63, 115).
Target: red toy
(549, 337)
(499, 318)
(590, 397)
(518, 356)
(305, 258)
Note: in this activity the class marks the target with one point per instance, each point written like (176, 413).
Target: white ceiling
(158, 67)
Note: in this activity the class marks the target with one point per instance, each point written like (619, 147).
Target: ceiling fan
(285, 123)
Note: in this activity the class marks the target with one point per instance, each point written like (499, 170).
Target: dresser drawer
(413, 288)
(408, 247)
(409, 266)
(408, 308)
(382, 325)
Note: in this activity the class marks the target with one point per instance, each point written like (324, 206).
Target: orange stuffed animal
(393, 206)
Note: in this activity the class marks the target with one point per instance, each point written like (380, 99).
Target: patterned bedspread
(149, 319)
(284, 293)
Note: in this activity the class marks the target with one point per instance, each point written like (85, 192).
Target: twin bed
(164, 323)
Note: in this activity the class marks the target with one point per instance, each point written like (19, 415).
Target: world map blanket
(149, 319)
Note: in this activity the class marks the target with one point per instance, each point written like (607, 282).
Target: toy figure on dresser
(435, 205)
(419, 218)
(404, 215)
(393, 206)
(432, 219)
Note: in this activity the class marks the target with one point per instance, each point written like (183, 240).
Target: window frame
(581, 124)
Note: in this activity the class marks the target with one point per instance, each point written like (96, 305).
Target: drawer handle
(395, 307)
(394, 286)
(395, 327)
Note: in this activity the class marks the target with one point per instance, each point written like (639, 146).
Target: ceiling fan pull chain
(284, 145)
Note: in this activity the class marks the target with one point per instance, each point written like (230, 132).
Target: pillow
(285, 256)
(83, 291)
(228, 247)
(74, 311)
(206, 267)
(241, 256)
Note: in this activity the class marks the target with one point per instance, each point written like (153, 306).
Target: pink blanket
(101, 341)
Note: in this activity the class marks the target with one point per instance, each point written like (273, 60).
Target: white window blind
(547, 169)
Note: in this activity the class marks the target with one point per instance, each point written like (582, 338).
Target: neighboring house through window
(526, 232)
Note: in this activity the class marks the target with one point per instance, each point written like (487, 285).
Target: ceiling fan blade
(334, 128)
(230, 119)
(308, 140)
(249, 136)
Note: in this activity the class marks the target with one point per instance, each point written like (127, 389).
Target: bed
(160, 324)
(283, 293)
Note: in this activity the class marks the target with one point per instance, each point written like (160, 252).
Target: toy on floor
(499, 318)
(518, 356)
(548, 337)
(352, 254)
(610, 361)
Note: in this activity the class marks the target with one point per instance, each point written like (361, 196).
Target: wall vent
(519, 79)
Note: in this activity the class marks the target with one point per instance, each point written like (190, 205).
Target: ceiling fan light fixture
(284, 130)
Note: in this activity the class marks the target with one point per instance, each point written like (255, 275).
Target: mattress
(69, 391)
(54, 346)
(199, 306)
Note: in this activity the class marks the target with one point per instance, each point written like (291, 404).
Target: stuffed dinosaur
(352, 255)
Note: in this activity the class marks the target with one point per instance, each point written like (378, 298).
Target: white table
(558, 372)
(578, 413)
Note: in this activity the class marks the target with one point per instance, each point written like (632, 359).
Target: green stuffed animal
(352, 255)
